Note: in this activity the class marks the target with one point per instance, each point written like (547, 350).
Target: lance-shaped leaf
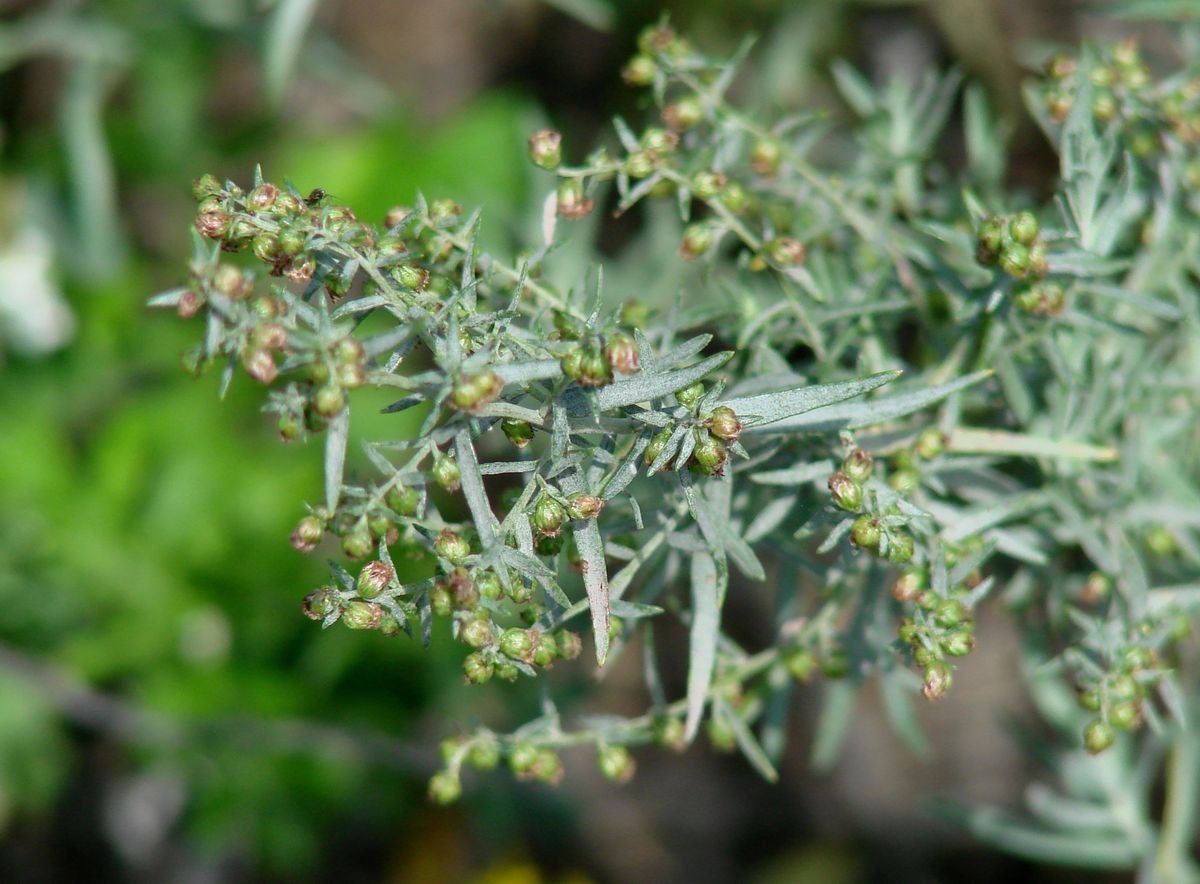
(473, 490)
(767, 408)
(335, 457)
(706, 624)
(850, 415)
(595, 571)
(643, 387)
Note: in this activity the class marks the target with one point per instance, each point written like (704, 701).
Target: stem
(1174, 861)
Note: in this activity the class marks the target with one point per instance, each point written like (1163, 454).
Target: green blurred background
(166, 714)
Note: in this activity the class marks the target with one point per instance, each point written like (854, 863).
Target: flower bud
(1098, 736)
(930, 443)
(444, 788)
(547, 768)
(786, 252)
(1090, 699)
(476, 633)
(517, 643)
(441, 600)
(904, 480)
(262, 197)
(622, 353)
(641, 164)
(690, 395)
(706, 184)
(949, 613)
(1125, 716)
(585, 506)
(549, 545)
(205, 186)
(358, 544)
(937, 681)
(800, 663)
(710, 454)
(260, 365)
(463, 590)
(908, 585)
(615, 763)
(571, 201)
(959, 643)
(1137, 658)
(362, 615)
(545, 149)
(301, 269)
(329, 400)
(858, 465)
(213, 225)
(483, 753)
(1023, 228)
(446, 473)
(473, 392)
(639, 71)
(900, 548)
(684, 113)
(847, 493)
(724, 424)
(452, 547)
(189, 304)
(402, 500)
(735, 198)
(669, 732)
(518, 432)
(308, 534)
(698, 238)
(569, 645)
(545, 649)
(320, 603)
(866, 532)
(765, 156)
(657, 446)
(374, 578)
(1014, 259)
(488, 583)
(548, 517)
(269, 336)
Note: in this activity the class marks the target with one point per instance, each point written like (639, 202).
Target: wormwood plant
(895, 392)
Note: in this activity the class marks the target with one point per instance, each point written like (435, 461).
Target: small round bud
(959, 643)
(765, 156)
(720, 734)
(463, 589)
(1014, 259)
(639, 71)
(937, 680)
(641, 164)
(786, 252)
(545, 650)
(362, 615)
(484, 753)
(930, 443)
(545, 149)
(949, 613)
(452, 547)
(710, 454)
(444, 788)
(1098, 736)
(488, 583)
(477, 633)
(858, 465)
(1023, 228)
(260, 365)
(205, 186)
(1137, 658)
(1125, 716)
(698, 238)
(213, 225)
(904, 480)
(800, 663)
(1089, 699)
(684, 113)
(518, 432)
(389, 626)
(707, 184)
(735, 198)
(308, 534)
(615, 763)
(669, 732)
(900, 548)
(571, 201)
(269, 336)
(517, 643)
(1039, 262)
(866, 532)
(358, 544)
(689, 396)
(446, 473)
(262, 197)
(1124, 687)
(402, 500)
(724, 424)
(569, 645)
(374, 578)
(846, 493)
(329, 400)
(522, 758)
(548, 517)
(320, 603)
(547, 768)
(585, 506)
(622, 353)
(656, 447)
(659, 142)
(473, 392)
(441, 600)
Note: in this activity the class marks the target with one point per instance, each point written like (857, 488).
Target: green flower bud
(866, 532)
(639, 71)
(549, 545)
(362, 615)
(452, 547)
(735, 198)
(720, 734)
(289, 428)
(231, 282)
(571, 201)
(1039, 262)
(765, 156)
(517, 643)
(569, 645)
(669, 732)
(213, 225)
(657, 446)
(698, 238)
(858, 465)
(909, 584)
(659, 142)
(1124, 687)
(476, 633)
(518, 432)
(909, 632)
(800, 663)
(547, 768)
(545, 149)
(724, 424)
(484, 753)
(320, 603)
(374, 578)
(205, 186)
(991, 240)
(846, 493)
(358, 544)
(1137, 658)
(463, 590)
(904, 481)
(615, 763)
(548, 517)
(585, 506)
(1023, 228)
(786, 252)
(488, 583)
(441, 600)
(707, 184)
(444, 788)
(930, 443)
(522, 758)
(641, 164)
(959, 643)
(1125, 716)
(446, 473)
(622, 353)
(329, 400)
(1014, 259)
(900, 548)
(710, 455)
(690, 395)
(308, 534)
(1098, 736)
(684, 113)
(402, 500)
(1160, 541)
(473, 392)
(1089, 699)
(937, 680)
(949, 613)
(545, 649)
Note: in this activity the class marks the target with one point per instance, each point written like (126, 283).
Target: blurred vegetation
(163, 706)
